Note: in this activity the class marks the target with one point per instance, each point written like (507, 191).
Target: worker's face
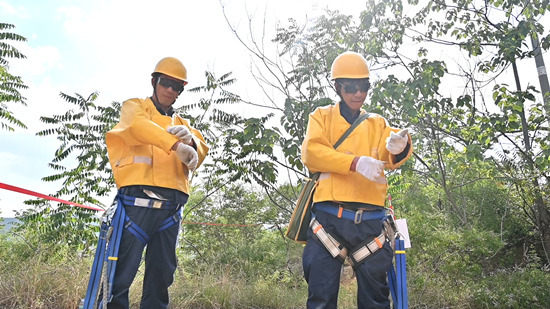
(354, 92)
(167, 90)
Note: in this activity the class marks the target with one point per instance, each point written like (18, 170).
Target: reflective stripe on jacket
(337, 182)
(140, 148)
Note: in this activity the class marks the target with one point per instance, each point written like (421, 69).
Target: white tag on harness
(404, 231)
(152, 194)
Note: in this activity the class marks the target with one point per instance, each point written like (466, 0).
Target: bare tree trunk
(540, 211)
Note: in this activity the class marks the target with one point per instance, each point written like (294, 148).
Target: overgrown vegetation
(475, 196)
(10, 85)
(241, 265)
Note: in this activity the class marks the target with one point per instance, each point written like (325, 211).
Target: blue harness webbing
(397, 277)
(113, 246)
(356, 216)
(108, 245)
(95, 273)
(106, 254)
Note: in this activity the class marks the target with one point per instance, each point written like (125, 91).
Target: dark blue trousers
(322, 271)
(160, 259)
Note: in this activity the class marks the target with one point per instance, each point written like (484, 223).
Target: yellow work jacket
(337, 183)
(140, 148)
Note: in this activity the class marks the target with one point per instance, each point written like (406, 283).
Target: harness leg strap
(334, 247)
(365, 249)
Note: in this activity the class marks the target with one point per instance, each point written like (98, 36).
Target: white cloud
(11, 10)
(39, 60)
(72, 19)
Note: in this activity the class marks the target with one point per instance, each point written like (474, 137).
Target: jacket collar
(170, 112)
(347, 113)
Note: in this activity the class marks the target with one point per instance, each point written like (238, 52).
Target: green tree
(82, 165)
(508, 129)
(457, 127)
(227, 226)
(10, 85)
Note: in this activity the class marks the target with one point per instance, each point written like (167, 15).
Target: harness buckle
(392, 223)
(391, 230)
(358, 216)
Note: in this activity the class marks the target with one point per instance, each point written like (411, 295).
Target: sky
(112, 46)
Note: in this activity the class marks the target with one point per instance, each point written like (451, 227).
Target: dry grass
(42, 283)
(39, 284)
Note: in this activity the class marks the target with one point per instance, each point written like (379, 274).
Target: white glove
(371, 169)
(397, 142)
(187, 155)
(181, 132)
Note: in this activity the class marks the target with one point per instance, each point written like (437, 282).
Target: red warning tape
(220, 224)
(47, 197)
(51, 198)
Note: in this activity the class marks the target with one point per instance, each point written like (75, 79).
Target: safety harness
(149, 203)
(337, 247)
(113, 222)
(397, 279)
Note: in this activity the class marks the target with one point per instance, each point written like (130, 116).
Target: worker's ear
(153, 82)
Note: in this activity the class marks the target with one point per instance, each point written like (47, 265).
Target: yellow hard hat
(349, 65)
(172, 67)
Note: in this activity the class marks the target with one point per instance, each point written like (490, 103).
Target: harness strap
(112, 252)
(355, 216)
(138, 232)
(106, 257)
(97, 267)
(365, 249)
(336, 249)
(175, 219)
(359, 253)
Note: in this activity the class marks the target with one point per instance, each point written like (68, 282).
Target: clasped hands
(181, 132)
(185, 153)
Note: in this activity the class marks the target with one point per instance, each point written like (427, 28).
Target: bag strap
(350, 129)
(344, 136)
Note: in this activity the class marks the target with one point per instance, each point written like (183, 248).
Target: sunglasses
(354, 87)
(176, 85)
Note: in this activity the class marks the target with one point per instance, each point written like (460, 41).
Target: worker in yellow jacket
(152, 151)
(350, 197)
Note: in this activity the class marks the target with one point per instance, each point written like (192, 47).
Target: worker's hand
(181, 132)
(371, 169)
(187, 155)
(397, 142)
